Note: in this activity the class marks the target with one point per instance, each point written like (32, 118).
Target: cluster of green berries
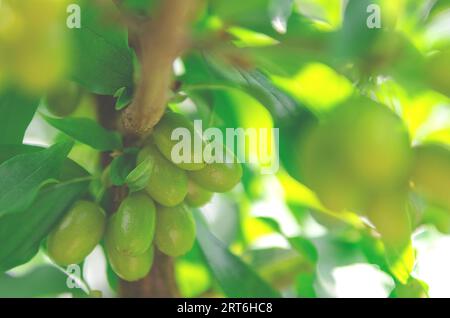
(157, 216)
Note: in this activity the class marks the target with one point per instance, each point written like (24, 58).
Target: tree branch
(160, 40)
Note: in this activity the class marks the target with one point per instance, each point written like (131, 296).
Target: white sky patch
(178, 67)
(94, 272)
(433, 262)
(361, 281)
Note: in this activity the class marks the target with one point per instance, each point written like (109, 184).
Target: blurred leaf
(102, 58)
(355, 37)
(438, 7)
(16, 112)
(302, 245)
(305, 247)
(23, 232)
(23, 175)
(87, 131)
(401, 262)
(233, 275)
(42, 281)
(322, 10)
(277, 265)
(192, 274)
(305, 285)
(414, 288)
(252, 14)
(309, 84)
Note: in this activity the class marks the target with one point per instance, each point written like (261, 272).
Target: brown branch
(160, 40)
(160, 283)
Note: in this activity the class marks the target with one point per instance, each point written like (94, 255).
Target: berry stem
(160, 40)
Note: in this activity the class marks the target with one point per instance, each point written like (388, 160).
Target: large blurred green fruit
(218, 177)
(372, 142)
(437, 71)
(77, 234)
(431, 173)
(362, 148)
(197, 196)
(168, 184)
(389, 214)
(129, 268)
(175, 230)
(162, 136)
(320, 170)
(134, 227)
(63, 99)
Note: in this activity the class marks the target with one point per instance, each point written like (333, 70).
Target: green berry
(168, 184)
(162, 136)
(197, 196)
(77, 234)
(175, 230)
(134, 227)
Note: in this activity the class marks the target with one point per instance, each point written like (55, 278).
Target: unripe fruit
(77, 234)
(175, 230)
(129, 268)
(218, 177)
(319, 169)
(168, 184)
(363, 148)
(437, 70)
(63, 99)
(197, 196)
(390, 216)
(431, 173)
(372, 142)
(134, 227)
(162, 136)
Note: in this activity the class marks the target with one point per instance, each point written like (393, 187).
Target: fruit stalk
(160, 41)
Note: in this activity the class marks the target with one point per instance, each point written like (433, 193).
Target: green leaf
(305, 285)
(120, 168)
(103, 61)
(9, 151)
(252, 14)
(42, 281)
(22, 233)
(414, 288)
(16, 112)
(138, 178)
(23, 175)
(87, 131)
(400, 262)
(124, 96)
(212, 73)
(355, 38)
(232, 274)
(305, 248)
(69, 170)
